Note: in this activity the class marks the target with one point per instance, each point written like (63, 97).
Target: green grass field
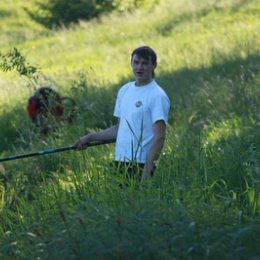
(203, 202)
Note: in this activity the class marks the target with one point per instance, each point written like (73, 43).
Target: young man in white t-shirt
(142, 107)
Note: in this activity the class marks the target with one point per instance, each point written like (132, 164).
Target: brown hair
(145, 52)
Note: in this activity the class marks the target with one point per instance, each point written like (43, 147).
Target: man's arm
(107, 134)
(156, 148)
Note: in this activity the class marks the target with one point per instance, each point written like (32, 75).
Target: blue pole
(49, 151)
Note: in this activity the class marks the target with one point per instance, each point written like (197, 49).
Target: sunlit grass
(203, 202)
(182, 40)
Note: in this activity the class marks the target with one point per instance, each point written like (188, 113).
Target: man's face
(142, 70)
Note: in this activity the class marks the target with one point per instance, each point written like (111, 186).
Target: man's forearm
(107, 134)
(156, 148)
(154, 154)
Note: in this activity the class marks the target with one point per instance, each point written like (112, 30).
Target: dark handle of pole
(49, 151)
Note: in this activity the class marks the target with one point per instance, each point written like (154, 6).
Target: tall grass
(203, 202)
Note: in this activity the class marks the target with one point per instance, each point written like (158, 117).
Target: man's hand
(147, 172)
(82, 143)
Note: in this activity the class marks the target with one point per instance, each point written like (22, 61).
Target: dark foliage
(14, 60)
(56, 13)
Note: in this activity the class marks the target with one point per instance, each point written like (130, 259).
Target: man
(142, 107)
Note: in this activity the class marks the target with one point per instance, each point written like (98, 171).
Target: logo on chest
(138, 104)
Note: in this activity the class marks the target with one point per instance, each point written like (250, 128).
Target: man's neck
(142, 83)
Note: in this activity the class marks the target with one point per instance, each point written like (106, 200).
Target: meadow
(203, 202)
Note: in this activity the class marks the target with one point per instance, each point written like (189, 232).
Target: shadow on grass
(11, 125)
(4, 13)
(216, 92)
(196, 94)
(181, 82)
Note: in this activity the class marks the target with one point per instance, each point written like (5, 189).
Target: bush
(62, 12)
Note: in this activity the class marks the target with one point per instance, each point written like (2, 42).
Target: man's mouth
(139, 73)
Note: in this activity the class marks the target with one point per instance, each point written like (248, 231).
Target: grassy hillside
(203, 202)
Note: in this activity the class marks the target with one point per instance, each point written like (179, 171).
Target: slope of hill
(203, 202)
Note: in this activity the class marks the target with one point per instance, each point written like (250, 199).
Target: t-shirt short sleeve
(117, 107)
(160, 108)
(120, 94)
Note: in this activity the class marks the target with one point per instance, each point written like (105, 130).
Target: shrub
(62, 12)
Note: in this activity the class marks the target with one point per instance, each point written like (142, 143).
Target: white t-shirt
(138, 108)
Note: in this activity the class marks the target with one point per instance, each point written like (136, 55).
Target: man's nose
(140, 66)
